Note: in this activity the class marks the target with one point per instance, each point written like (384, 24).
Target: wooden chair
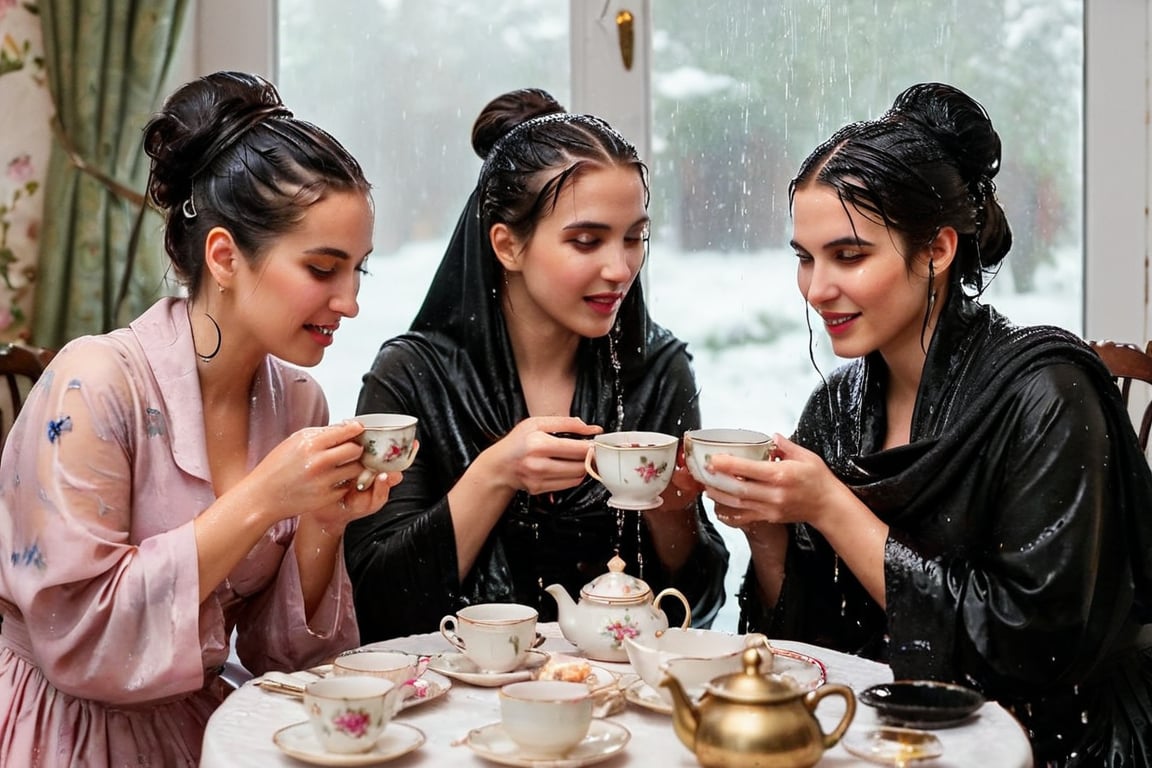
(20, 367)
(1129, 363)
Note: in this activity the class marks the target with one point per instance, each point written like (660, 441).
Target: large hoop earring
(219, 340)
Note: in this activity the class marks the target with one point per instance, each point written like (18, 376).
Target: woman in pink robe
(172, 481)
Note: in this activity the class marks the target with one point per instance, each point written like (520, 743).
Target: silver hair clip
(189, 206)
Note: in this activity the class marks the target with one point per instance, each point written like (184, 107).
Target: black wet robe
(1019, 559)
(454, 370)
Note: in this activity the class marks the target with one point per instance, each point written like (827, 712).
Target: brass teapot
(750, 720)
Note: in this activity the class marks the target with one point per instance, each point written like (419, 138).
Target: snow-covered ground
(713, 301)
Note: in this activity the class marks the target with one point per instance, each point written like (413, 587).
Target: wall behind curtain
(24, 148)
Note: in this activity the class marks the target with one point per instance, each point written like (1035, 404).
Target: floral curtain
(23, 156)
(107, 64)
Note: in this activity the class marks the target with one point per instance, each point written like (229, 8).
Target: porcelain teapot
(748, 719)
(612, 606)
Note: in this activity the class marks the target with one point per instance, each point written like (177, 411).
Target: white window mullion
(1116, 170)
(601, 83)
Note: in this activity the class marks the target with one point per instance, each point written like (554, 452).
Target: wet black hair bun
(959, 123)
(505, 112)
(195, 124)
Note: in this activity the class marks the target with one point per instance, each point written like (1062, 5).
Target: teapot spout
(563, 599)
(685, 716)
(565, 614)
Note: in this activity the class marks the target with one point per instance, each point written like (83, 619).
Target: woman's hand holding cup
(389, 445)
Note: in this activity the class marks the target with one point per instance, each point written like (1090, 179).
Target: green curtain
(107, 63)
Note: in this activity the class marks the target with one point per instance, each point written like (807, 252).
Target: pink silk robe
(107, 655)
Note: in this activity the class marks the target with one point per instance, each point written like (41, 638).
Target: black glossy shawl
(1019, 558)
(456, 371)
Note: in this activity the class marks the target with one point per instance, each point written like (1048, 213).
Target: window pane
(744, 90)
(399, 82)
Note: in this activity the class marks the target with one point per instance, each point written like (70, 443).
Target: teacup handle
(812, 698)
(448, 629)
(539, 640)
(421, 665)
(679, 596)
(588, 459)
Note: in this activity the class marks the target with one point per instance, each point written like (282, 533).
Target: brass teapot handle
(679, 596)
(812, 699)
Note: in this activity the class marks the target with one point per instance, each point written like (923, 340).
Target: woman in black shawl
(966, 499)
(533, 337)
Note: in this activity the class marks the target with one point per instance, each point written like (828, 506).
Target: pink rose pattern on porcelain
(648, 470)
(351, 722)
(395, 449)
(618, 629)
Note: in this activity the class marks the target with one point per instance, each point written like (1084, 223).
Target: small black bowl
(922, 703)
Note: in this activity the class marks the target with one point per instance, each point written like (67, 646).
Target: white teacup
(700, 445)
(496, 637)
(349, 713)
(395, 666)
(701, 655)
(389, 441)
(546, 718)
(694, 673)
(635, 467)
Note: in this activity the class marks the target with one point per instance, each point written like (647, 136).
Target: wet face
(290, 301)
(584, 255)
(852, 271)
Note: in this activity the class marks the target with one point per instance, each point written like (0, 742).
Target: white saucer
(299, 741)
(642, 695)
(893, 746)
(429, 687)
(460, 667)
(803, 670)
(605, 739)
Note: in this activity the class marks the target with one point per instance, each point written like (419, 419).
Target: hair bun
(959, 123)
(505, 112)
(199, 121)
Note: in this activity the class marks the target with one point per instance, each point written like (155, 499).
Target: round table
(239, 733)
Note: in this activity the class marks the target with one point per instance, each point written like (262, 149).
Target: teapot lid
(616, 587)
(751, 686)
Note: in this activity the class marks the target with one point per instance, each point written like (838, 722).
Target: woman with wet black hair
(966, 499)
(533, 337)
(173, 481)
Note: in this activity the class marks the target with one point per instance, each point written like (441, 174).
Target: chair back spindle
(20, 367)
(1129, 363)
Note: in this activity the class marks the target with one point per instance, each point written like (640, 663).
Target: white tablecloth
(239, 734)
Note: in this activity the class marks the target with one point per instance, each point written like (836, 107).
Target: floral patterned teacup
(635, 467)
(701, 444)
(389, 441)
(496, 637)
(349, 713)
(396, 666)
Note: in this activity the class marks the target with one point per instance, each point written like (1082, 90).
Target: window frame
(1116, 134)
